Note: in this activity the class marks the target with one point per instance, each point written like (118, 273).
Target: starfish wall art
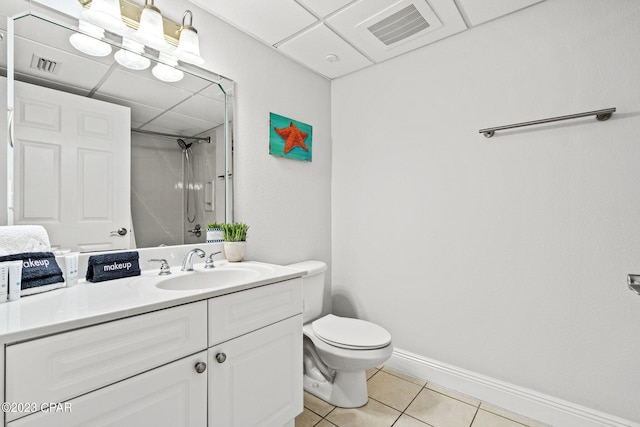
(290, 138)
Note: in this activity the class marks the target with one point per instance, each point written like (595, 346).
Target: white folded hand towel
(16, 239)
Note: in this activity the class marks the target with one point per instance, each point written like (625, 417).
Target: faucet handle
(209, 262)
(165, 268)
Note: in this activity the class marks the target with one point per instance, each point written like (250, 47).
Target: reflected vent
(397, 27)
(45, 65)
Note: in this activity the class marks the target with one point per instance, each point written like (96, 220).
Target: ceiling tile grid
(324, 51)
(338, 37)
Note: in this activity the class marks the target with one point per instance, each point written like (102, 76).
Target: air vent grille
(399, 26)
(45, 65)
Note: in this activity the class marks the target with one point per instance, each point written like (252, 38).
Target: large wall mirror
(105, 156)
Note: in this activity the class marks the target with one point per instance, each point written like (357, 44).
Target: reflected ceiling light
(189, 45)
(130, 57)
(105, 14)
(167, 73)
(90, 44)
(151, 30)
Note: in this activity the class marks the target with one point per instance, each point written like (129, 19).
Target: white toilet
(337, 350)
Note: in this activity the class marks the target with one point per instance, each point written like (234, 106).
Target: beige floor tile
(511, 415)
(325, 423)
(392, 390)
(371, 372)
(373, 414)
(407, 421)
(488, 419)
(317, 405)
(452, 393)
(440, 410)
(405, 376)
(307, 419)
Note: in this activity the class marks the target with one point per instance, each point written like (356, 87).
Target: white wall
(505, 256)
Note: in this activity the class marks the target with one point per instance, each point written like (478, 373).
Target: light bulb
(189, 44)
(105, 14)
(151, 30)
(90, 44)
(167, 73)
(130, 57)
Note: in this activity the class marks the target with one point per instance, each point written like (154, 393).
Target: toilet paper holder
(633, 280)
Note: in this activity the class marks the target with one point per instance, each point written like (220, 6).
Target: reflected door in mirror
(72, 168)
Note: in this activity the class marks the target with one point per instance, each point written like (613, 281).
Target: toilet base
(348, 389)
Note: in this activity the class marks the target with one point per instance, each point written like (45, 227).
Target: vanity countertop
(92, 303)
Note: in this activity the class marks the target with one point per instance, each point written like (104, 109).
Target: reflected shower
(191, 200)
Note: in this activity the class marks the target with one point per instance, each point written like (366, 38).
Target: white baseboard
(531, 404)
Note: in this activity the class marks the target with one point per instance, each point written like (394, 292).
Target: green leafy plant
(214, 225)
(236, 232)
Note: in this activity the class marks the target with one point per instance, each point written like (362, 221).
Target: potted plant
(235, 240)
(214, 233)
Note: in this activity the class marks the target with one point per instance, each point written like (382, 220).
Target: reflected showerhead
(183, 144)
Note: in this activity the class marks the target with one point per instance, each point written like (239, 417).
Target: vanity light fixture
(165, 71)
(89, 42)
(189, 45)
(150, 31)
(105, 14)
(130, 57)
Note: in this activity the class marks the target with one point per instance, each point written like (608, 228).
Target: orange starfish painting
(287, 135)
(293, 137)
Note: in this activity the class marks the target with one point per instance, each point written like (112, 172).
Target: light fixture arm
(190, 25)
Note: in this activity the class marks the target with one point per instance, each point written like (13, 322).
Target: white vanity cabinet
(255, 371)
(172, 395)
(231, 360)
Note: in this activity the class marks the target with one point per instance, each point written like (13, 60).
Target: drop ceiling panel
(482, 11)
(202, 108)
(312, 47)
(140, 113)
(323, 8)
(71, 70)
(139, 89)
(358, 22)
(184, 125)
(271, 21)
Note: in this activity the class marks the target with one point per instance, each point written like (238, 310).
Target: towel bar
(601, 115)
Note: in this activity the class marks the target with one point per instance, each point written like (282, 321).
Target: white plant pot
(234, 251)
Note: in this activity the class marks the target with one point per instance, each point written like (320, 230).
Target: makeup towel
(113, 266)
(40, 272)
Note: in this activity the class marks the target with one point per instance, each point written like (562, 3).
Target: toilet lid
(350, 333)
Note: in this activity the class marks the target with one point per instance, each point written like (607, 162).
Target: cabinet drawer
(236, 314)
(174, 395)
(59, 367)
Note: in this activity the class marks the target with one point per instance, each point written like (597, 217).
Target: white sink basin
(209, 279)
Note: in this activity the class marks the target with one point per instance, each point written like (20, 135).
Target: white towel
(16, 239)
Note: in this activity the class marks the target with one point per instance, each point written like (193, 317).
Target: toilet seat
(355, 334)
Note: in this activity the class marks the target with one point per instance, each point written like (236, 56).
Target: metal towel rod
(601, 115)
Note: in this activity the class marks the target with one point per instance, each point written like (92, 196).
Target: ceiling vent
(45, 65)
(399, 26)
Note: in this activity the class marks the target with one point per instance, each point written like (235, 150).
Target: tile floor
(399, 400)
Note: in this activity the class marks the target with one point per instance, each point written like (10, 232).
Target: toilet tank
(312, 287)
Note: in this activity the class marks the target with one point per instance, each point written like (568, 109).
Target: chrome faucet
(209, 263)
(164, 266)
(187, 262)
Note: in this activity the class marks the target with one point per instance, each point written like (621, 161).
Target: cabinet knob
(201, 367)
(221, 357)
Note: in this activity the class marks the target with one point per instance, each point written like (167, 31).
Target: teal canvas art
(290, 138)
